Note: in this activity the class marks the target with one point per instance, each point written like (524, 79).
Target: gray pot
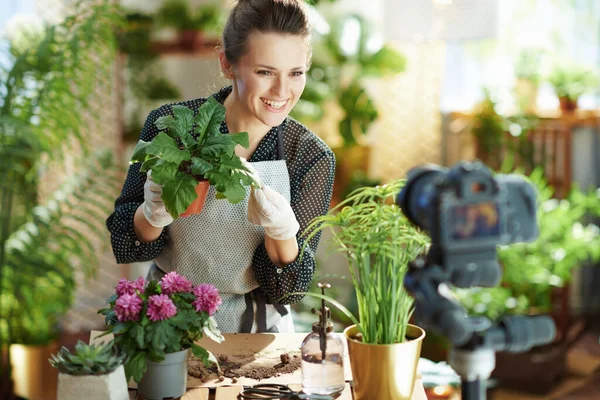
(167, 378)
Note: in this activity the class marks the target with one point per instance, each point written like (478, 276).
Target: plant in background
(570, 81)
(193, 149)
(498, 137)
(378, 242)
(340, 64)
(532, 270)
(527, 65)
(43, 244)
(154, 318)
(88, 359)
(179, 15)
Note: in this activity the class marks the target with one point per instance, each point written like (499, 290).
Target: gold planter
(384, 371)
(33, 376)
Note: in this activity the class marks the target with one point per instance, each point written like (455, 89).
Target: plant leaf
(163, 171)
(200, 166)
(209, 118)
(212, 331)
(166, 122)
(217, 145)
(179, 193)
(136, 366)
(240, 138)
(139, 153)
(166, 148)
(184, 119)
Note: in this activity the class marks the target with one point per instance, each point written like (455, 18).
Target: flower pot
(198, 204)
(32, 374)
(111, 386)
(384, 371)
(167, 378)
(567, 105)
(189, 39)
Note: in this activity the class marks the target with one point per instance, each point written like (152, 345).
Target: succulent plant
(88, 359)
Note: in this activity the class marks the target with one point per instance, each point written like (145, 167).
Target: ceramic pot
(167, 378)
(198, 204)
(384, 371)
(111, 386)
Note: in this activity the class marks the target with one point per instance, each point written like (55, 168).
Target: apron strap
(280, 153)
(261, 312)
(257, 294)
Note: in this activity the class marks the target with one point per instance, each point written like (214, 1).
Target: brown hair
(265, 16)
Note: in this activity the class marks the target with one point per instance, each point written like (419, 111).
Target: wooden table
(259, 343)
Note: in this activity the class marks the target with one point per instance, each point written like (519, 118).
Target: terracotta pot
(198, 204)
(384, 371)
(189, 39)
(567, 106)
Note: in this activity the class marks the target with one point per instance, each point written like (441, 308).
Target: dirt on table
(250, 365)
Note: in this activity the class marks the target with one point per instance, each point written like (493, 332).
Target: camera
(468, 212)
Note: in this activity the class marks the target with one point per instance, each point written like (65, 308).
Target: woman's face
(270, 78)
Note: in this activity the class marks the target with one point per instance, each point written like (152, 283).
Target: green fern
(45, 94)
(44, 252)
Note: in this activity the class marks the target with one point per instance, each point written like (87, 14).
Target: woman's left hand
(269, 209)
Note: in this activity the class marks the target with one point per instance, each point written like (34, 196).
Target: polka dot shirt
(311, 165)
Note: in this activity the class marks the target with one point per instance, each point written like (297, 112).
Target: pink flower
(207, 298)
(175, 283)
(129, 287)
(127, 307)
(160, 307)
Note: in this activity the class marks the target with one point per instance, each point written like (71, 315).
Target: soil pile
(246, 365)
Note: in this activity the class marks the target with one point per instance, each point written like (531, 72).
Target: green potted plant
(527, 72)
(192, 154)
(155, 323)
(90, 372)
(45, 241)
(378, 242)
(190, 23)
(570, 82)
(341, 65)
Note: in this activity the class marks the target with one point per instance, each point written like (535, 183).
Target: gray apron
(217, 246)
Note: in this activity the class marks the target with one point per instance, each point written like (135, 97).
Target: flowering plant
(151, 319)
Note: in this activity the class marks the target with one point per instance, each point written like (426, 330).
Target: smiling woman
(248, 250)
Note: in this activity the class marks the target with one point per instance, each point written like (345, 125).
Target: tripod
(475, 340)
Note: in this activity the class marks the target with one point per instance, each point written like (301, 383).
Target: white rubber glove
(271, 210)
(153, 207)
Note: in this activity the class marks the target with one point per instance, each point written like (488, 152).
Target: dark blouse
(311, 165)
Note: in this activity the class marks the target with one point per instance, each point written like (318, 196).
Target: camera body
(468, 212)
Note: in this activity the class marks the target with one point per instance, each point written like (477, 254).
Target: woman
(250, 250)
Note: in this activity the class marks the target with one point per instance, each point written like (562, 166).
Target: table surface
(260, 343)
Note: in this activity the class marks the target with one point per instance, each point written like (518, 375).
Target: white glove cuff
(156, 219)
(283, 232)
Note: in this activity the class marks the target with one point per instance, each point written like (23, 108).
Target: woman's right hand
(153, 207)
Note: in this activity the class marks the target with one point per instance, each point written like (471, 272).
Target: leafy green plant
(571, 81)
(154, 318)
(193, 149)
(527, 65)
(41, 255)
(340, 64)
(532, 270)
(88, 359)
(179, 15)
(45, 241)
(378, 242)
(499, 137)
